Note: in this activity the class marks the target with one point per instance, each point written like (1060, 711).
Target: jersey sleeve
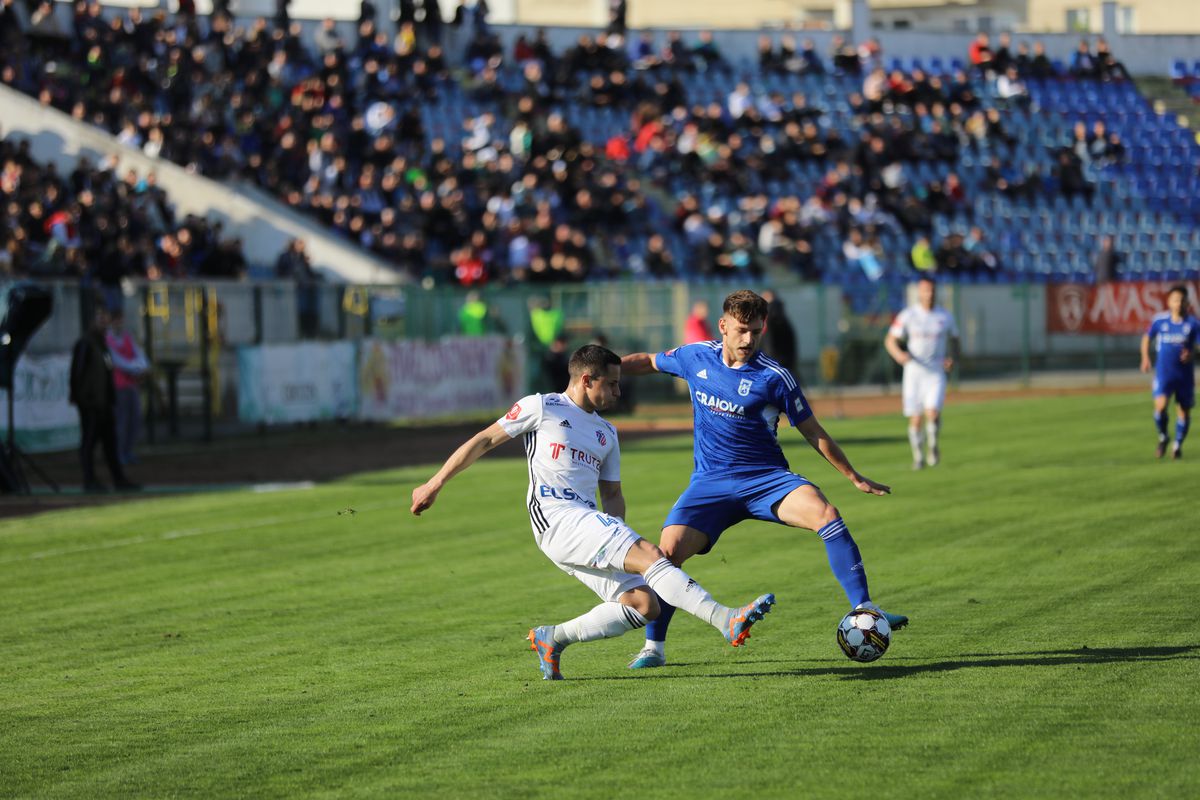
(952, 327)
(1152, 331)
(792, 400)
(610, 470)
(674, 361)
(524, 416)
(898, 325)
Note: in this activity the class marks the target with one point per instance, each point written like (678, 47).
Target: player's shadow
(889, 669)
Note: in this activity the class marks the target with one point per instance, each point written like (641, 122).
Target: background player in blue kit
(1175, 333)
(740, 472)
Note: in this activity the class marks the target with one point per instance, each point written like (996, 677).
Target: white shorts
(588, 544)
(924, 389)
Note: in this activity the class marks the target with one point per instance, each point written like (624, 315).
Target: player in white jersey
(930, 339)
(573, 456)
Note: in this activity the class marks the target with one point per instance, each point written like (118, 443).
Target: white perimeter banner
(462, 374)
(296, 382)
(42, 413)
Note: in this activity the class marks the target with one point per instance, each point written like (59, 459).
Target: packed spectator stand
(652, 156)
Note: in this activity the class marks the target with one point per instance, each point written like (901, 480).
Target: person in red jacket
(696, 328)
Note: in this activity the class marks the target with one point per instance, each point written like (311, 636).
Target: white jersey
(925, 334)
(569, 452)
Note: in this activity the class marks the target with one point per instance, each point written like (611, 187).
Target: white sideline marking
(184, 533)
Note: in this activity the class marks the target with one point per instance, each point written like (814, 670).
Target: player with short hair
(738, 395)
(930, 336)
(573, 455)
(1175, 334)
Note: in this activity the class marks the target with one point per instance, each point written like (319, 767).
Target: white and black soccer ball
(864, 635)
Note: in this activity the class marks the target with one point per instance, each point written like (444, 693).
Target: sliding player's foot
(541, 641)
(738, 630)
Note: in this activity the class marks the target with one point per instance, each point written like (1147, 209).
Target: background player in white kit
(931, 347)
(573, 455)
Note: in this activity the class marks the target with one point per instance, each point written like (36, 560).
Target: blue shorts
(1181, 386)
(714, 502)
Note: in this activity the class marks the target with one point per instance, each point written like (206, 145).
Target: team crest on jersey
(600, 437)
(513, 412)
(744, 387)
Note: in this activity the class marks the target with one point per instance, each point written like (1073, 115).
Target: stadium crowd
(757, 180)
(102, 226)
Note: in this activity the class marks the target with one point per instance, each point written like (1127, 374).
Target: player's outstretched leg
(603, 622)
(675, 587)
(847, 566)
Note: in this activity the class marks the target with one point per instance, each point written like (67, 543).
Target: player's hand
(1145, 365)
(1185, 356)
(423, 497)
(948, 364)
(865, 484)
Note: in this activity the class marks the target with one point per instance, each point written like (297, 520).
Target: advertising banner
(1113, 308)
(42, 413)
(300, 382)
(458, 375)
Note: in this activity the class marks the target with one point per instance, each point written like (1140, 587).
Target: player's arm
(952, 351)
(831, 451)
(487, 439)
(611, 499)
(1146, 352)
(638, 364)
(892, 344)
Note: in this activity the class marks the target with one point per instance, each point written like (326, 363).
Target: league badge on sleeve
(601, 438)
(513, 412)
(744, 387)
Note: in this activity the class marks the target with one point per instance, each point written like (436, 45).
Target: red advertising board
(1117, 308)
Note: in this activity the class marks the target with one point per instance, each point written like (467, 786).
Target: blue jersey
(736, 411)
(1171, 340)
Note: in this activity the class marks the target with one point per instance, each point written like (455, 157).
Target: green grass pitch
(262, 645)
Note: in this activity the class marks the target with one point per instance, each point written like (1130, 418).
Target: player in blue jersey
(738, 395)
(1175, 334)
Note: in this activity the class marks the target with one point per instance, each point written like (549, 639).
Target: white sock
(917, 440)
(603, 622)
(931, 430)
(658, 648)
(673, 585)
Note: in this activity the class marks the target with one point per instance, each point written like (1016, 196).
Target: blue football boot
(896, 621)
(649, 658)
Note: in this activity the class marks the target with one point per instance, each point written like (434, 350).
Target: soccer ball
(864, 635)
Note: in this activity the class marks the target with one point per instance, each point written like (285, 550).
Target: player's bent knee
(643, 601)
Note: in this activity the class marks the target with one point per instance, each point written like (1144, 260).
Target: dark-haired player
(573, 456)
(740, 472)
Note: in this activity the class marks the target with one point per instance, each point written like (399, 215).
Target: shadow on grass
(889, 669)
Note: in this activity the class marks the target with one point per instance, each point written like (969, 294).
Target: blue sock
(1181, 429)
(845, 561)
(1160, 422)
(656, 629)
